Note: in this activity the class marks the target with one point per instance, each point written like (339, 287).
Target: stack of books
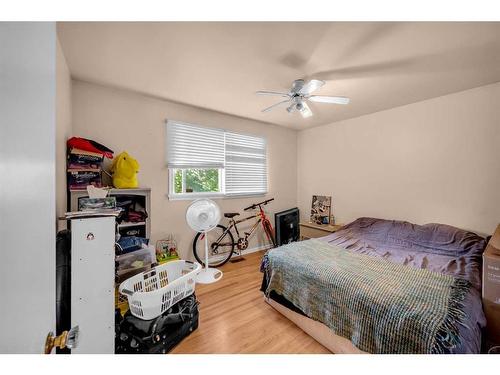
(84, 168)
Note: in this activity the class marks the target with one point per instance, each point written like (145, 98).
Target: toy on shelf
(124, 170)
(166, 249)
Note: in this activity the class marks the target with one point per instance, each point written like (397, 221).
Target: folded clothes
(131, 243)
(79, 180)
(83, 166)
(136, 217)
(89, 145)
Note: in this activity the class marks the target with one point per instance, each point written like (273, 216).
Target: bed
(420, 284)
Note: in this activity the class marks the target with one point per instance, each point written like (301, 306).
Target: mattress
(436, 247)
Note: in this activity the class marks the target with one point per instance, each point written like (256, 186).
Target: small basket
(153, 292)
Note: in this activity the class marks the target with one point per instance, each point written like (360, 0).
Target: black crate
(159, 335)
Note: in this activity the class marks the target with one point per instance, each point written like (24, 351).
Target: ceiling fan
(299, 94)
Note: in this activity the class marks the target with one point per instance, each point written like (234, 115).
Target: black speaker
(287, 226)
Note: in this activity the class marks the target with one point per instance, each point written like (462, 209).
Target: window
(197, 180)
(206, 162)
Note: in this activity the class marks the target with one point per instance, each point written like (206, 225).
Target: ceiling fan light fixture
(297, 85)
(305, 111)
(300, 94)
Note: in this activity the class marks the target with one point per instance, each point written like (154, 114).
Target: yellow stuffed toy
(124, 170)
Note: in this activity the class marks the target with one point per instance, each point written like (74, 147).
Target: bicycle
(221, 240)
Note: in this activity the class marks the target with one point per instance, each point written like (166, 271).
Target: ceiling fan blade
(311, 86)
(273, 93)
(329, 99)
(367, 70)
(305, 111)
(275, 105)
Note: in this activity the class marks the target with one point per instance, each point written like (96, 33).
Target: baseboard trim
(255, 249)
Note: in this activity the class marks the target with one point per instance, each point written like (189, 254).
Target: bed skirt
(317, 330)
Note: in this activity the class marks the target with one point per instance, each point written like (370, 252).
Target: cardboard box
(491, 286)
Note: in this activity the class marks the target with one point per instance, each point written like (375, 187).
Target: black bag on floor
(159, 335)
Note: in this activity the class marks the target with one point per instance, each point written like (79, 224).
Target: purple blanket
(436, 247)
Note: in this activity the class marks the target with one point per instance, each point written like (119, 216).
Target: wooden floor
(235, 319)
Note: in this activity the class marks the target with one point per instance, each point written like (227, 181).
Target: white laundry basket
(153, 292)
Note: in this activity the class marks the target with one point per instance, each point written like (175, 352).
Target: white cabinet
(92, 284)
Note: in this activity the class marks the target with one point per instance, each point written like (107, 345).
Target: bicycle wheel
(268, 228)
(218, 252)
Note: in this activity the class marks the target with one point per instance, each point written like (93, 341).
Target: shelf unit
(142, 228)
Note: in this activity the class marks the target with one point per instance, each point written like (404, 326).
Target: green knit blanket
(382, 307)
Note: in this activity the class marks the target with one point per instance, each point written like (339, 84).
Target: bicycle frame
(221, 251)
(234, 224)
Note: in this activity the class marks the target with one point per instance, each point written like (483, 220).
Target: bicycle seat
(229, 215)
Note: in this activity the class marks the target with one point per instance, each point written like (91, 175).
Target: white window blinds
(241, 158)
(246, 166)
(190, 146)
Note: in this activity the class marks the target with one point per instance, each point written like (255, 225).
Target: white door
(27, 185)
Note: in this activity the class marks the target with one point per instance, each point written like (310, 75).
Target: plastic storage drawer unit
(135, 262)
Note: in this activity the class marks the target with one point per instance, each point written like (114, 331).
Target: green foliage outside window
(197, 180)
(178, 181)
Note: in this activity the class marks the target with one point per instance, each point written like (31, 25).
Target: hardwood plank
(235, 319)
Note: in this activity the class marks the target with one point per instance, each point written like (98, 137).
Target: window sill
(194, 196)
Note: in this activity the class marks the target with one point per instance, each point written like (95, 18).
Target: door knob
(67, 339)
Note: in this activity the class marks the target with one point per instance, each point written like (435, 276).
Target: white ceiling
(219, 66)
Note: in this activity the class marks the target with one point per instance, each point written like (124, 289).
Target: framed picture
(321, 209)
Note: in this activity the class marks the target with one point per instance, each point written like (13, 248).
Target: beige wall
(63, 130)
(123, 120)
(432, 161)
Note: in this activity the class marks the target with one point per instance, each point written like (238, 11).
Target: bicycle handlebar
(258, 204)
